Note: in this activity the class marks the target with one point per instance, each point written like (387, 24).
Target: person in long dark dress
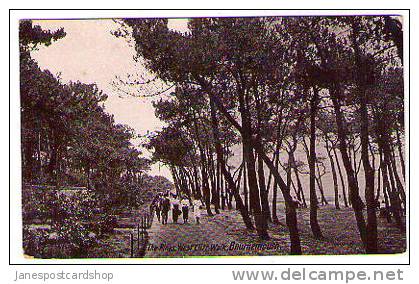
(165, 209)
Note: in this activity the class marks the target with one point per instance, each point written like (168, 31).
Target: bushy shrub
(37, 204)
(72, 231)
(107, 223)
(65, 239)
(34, 241)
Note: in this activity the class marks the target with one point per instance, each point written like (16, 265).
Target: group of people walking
(178, 205)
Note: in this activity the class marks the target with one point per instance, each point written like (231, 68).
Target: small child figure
(198, 214)
(185, 209)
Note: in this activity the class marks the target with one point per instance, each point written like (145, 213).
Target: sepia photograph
(213, 136)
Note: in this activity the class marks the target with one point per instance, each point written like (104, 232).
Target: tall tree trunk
(197, 191)
(215, 199)
(52, 166)
(300, 187)
(395, 206)
(334, 175)
(175, 178)
(290, 210)
(206, 192)
(314, 223)
(400, 187)
(275, 194)
(245, 189)
(401, 156)
(320, 185)
(263, 191)
(377, 196)
(248, 155)
(254, 198)
(386, 189)
(268, 186)
(205, 184)
(220, 158)
(261, 172)
(389, 189)
(354, 197)
(361, 76)
(345, 200)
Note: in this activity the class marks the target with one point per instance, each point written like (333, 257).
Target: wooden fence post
(132, 244)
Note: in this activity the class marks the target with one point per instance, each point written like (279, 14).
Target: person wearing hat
(165, 208)
(185, 209)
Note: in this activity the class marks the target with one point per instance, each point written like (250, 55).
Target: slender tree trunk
(275, 194)
(401, 155)
(314, 223)
(345, 200)
(220, 158)
(197, 192)
(245, 189)
(268, 186)
(215, 200)
(263, 191)
(300, 187)
(261, 172)
(320, 185)
(274, 201)
(400, 187)
(248, 155)
(372, 241)
(291, 214)
(52, 166)
(372, 235)
(354, 197)
(204, 174)
(205, 185)
(391, 197)
(175, 178)
(334, 175)
(386, 189)
(394, 199)
(377, 197)
(290, 210)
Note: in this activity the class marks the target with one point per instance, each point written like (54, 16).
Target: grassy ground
(225, 235)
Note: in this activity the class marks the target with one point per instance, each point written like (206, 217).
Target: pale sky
(91, 54)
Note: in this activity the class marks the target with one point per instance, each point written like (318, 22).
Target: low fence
(139, 238)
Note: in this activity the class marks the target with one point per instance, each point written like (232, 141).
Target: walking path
(189, 239)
